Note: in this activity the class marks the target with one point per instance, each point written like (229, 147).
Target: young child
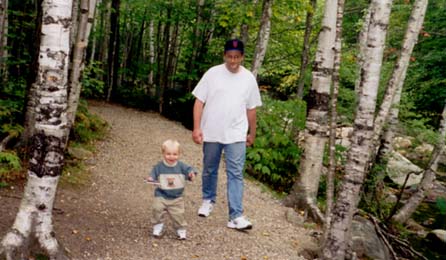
(170, 176)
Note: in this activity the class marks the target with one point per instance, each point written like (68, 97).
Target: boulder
(399, 166)
(366, 243)
(79, 153)
(401, 142)
(438, 235)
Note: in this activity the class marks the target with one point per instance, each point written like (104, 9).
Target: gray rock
(79, 153)
(399, 166)
(366, 242)
(439, 235)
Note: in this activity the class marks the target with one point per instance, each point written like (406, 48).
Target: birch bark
(77, 63)
(262, 37)
(348, 197)
(304, 190)
(306, 48)
(333, 114)
(399, 72)
(34, 218)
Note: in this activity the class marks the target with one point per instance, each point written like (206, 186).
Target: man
(225, 121)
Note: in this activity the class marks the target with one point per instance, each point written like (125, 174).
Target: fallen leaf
(74, 231)
(88, 238)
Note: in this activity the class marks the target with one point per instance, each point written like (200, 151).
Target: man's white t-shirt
(226, 97)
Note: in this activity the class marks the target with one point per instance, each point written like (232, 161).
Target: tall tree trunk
(428, 177)
(167, 43)
(195, 43)
(399, 71)
(362, 42)
(244, 28)
(34, 218)
(92, 25)
(3, 41)
(151, 55)
(306, 49)
(113, 49)
(338, 235)
(77, 64)
(262, 37)
(304, 190)
(333, 115)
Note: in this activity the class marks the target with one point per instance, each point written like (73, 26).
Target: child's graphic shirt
(172, 179)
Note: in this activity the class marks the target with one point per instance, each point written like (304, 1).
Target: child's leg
(176, 211)
(158, 210)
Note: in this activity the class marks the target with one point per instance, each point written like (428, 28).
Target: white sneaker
(181, 234)
(240, 223)
(158, 230)
(206, 208)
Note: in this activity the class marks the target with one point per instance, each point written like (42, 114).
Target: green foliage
(92, 85)
(441, 205)
(9, 162)
(274, 157)
(87, 127)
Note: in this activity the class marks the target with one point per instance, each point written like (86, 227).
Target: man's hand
(197, 136)
(250, 140)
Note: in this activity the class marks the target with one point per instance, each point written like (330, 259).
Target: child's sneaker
(181, 234)
(158, 230)
(240, 223)
(206, 208)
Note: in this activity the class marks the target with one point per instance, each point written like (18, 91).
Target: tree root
(394, 243)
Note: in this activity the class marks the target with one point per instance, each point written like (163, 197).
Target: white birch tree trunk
(428, 177)
(262, 37)
(362, 42)
(333, 114)
(399, 71)
(151, 54)
(304, 190)
(77, 63)
(306, 49)
(348, 197)
(34, 218)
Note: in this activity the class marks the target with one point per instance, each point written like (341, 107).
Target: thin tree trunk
(151, 55)
(306, 49)
(165, 53)
(113, 51)
(244, 28)
(3, 41)
(92, 25)
(195, 43)
(362, 42)
(333, 115)
(304, 190)
(262, 37)
(428, 177)
(34, 218)
(77, 63)
(399, 71)
(338, 236)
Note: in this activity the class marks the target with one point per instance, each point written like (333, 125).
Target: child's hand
(150, 180)
(191, 176)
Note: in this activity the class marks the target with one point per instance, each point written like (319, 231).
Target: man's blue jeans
(234, 155)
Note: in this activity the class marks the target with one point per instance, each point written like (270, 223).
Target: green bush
(87, 126)
(274, 157)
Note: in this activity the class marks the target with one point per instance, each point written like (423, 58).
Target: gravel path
(109, 218)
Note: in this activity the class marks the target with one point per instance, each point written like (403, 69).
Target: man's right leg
(211, 162)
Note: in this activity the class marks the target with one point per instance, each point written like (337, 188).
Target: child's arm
(153, 177)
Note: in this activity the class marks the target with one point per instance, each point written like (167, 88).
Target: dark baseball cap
(234, 44)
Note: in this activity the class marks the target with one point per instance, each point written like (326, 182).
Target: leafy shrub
(274, 157)
(92, 85)
(9, 162)
(87, 126)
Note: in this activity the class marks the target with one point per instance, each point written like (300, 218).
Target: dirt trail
(109, 218)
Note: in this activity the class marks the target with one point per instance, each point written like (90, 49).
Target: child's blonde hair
(170, 144)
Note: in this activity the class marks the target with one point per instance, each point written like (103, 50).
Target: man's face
(233, 59)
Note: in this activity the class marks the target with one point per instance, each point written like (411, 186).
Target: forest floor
(109, 216)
